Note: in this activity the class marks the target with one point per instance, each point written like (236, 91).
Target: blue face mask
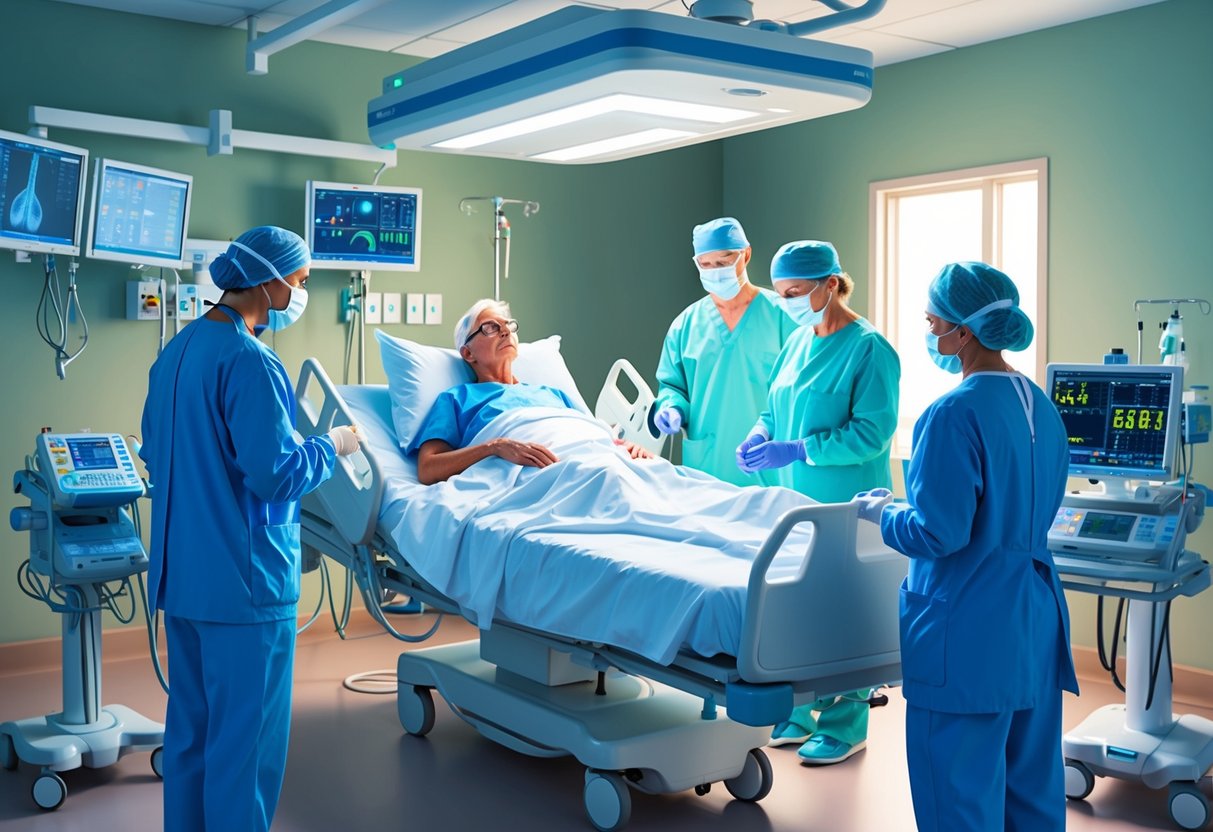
(800, 309)
(280, 319)
(721, 282)
(947, 363)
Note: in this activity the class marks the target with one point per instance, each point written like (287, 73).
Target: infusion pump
(1149, 527)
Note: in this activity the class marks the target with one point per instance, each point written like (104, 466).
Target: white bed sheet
(642, 555)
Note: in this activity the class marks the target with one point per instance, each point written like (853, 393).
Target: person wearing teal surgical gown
(826, 432)
(227, 472)
(718, 355)
(985, 648)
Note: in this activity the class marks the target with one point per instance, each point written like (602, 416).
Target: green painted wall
(595, 264)
(1121, 106)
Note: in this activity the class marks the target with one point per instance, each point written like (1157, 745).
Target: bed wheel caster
(1079, 780)
(703, 788)
(608, 803)
(1188, 806)
(8, 753)
(755, 780)
(49, 791)
(415, 707)
(158, 761)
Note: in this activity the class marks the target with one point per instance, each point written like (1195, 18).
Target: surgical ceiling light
(593, 85)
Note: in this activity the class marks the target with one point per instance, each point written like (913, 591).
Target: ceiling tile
(889, 49)
(985, 20)
(427, 47)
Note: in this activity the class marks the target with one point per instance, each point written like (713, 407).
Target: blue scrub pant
(229, 714)
(987, 772)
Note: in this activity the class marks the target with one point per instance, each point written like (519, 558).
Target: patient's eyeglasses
(491, 328)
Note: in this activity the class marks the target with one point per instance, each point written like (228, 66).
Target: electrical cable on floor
(376, 682)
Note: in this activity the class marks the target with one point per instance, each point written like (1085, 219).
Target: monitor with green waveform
(375, 227)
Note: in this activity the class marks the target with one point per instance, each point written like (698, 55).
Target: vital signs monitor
(375, 227)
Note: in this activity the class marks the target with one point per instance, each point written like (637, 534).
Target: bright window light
(620, 103)
(604, 146)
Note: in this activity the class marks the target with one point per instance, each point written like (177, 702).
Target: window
(995, 214)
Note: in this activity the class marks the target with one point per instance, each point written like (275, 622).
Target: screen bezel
(368, 265)
(92, 252)
(1174, 403)
(39, 246)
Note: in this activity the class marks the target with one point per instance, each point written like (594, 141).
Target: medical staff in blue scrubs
(227, 472)
(826, 432)
(984, 626)
(718, 355)
(487, 339)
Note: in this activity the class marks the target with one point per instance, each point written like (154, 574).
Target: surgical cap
(805, 260)
(983, 299)
(724, 234)
(464, 328)
(255, 256)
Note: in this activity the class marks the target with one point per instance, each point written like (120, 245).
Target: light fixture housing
(589, 85)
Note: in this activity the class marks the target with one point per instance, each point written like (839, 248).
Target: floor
(352, 768)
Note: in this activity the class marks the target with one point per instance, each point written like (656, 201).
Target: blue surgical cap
(724, 234)
(258, 256)
(805, 260)
(983, 299)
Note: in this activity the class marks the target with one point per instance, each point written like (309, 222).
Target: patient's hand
(635, 451)
(522, 453)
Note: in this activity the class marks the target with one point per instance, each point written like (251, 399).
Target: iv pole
(501, 230)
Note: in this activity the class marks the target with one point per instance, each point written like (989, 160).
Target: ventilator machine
(1130, 432)
(84, 548)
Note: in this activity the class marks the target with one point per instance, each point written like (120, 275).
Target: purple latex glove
(774, 455)
(668, 420)
(872, 503)
(752, 440)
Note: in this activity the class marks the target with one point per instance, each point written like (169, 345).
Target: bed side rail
(350, 499)
(836, 622)
(630, 417)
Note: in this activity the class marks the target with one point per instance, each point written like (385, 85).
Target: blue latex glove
(668, 420)
(774, 455)
(752, 440)
(872, 503)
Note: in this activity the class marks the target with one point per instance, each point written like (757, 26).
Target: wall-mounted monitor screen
(41, 194)
(375, 227)
(139, 214)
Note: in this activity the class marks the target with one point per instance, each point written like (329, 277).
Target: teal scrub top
(718, 380)
(838, 393)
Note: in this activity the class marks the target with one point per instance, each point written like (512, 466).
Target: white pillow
(417, 374)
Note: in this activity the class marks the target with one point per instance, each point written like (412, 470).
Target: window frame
(882, 250)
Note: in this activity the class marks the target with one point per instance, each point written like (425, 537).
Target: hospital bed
(639, 717)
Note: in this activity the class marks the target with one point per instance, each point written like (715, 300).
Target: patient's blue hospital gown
(462, 412)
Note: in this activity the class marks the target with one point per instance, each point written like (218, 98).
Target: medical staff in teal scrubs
(828, 425)
(985, 645)
(227, 472)
(718, 355)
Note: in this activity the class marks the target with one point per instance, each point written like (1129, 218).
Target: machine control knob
(24, 518)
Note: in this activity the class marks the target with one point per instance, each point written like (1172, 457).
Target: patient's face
(491, 349)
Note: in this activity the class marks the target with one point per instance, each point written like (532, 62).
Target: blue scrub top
(979, 607)
(462, 412)
(227, 472)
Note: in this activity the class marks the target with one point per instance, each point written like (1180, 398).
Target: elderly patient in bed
(488, 341)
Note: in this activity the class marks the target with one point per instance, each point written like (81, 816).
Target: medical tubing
(50, 290)
(1163, 644)
(153, 625)
(324, 578)
(1109, 664)
(384, 681)
(371, 591)
(73, 299)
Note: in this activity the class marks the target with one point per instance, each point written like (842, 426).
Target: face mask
(721, 281)
(280, 319)
(947, 363)
(800, 309)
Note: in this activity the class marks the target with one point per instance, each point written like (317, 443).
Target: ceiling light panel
(547, 77)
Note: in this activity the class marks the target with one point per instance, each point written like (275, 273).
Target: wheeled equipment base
(627, 731)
